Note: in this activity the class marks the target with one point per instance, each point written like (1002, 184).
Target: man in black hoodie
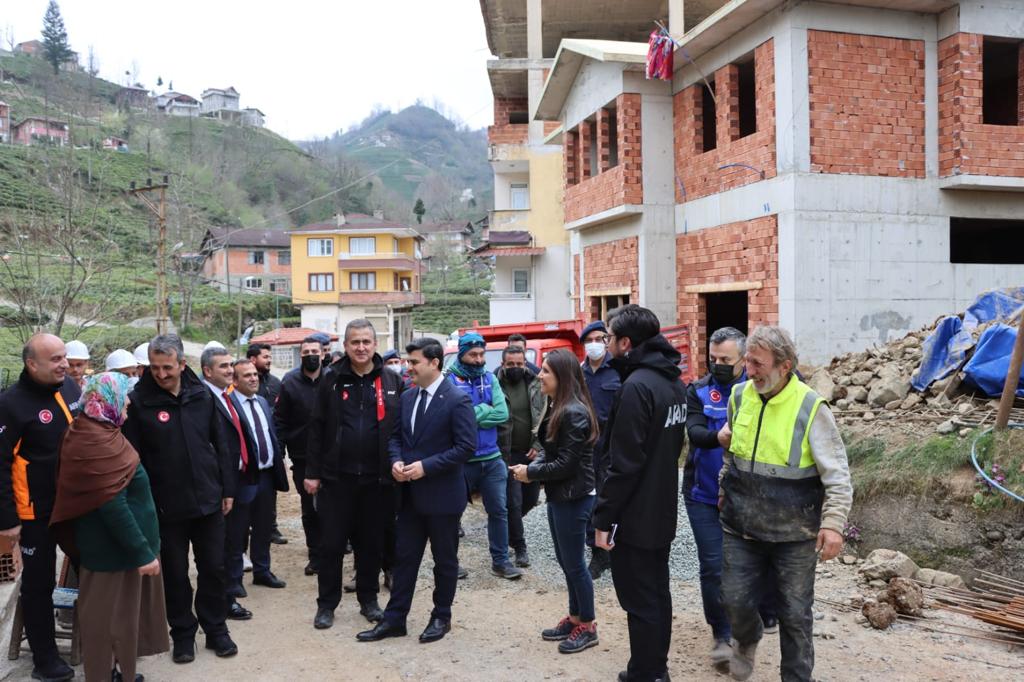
(635, 516)
(349, 471)
(174, 426)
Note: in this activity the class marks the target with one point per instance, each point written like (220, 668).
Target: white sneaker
(246, 563)
(741, 665)
(721, 652)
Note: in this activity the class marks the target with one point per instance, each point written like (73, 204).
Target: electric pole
(159, 209)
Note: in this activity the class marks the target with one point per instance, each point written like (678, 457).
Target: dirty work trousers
(744, 565)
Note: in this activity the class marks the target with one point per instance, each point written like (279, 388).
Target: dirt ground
(496, 625)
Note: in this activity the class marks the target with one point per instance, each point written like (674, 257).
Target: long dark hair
(571, 387)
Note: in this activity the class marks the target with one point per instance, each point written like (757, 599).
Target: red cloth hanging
(660, 52)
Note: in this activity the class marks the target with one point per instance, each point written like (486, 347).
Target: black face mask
(311, 363)
(723, 374)
(514, 375)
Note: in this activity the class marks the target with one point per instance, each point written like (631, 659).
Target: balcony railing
(509, 219)
(509, 295)
(380, 298)
(346, 255)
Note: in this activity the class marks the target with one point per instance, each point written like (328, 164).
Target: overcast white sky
(312, 66)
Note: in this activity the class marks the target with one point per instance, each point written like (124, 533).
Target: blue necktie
(421, 408)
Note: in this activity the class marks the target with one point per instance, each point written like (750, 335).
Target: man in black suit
(432, 439)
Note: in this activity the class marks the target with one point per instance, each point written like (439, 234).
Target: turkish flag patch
(344, 395)
(715, 396)
(45, 416)
(163, 417)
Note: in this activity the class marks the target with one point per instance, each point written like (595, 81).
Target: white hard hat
(142, 354)
(213, 344)
(77, 350)
(120, 359)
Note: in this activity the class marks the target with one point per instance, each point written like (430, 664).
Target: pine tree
(159, 81)
(419, 209)
(55, 37)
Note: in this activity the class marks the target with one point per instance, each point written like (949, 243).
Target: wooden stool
(64, 598)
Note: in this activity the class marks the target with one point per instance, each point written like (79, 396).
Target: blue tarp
(997, 305)
(942, 352)
(987, 368)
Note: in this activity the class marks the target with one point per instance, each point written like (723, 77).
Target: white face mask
(595, 350)
(397, 369)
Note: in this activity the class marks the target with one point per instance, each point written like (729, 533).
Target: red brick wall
(743, 251)
(699, 171)
(866, 104)
(503, 132)
(616, 186)
(612, 265)
(966, 145)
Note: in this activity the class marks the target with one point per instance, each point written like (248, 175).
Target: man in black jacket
(291, 418)
(174, 426)
(636, 508)
(270, 389)
(348, 469)
(34, 413)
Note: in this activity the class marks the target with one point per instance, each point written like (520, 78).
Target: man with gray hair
(174, 426)
(785, 493)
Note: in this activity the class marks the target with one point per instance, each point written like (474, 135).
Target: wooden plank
(721, 287)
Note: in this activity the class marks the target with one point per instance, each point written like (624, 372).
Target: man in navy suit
(432, 439)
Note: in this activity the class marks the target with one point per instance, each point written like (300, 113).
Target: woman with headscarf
(105, 517)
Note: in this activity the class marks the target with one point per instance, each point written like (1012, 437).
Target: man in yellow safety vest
(785, 493)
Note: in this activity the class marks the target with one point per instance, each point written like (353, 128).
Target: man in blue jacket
(433, 436)
(486, 472)
(706, 406)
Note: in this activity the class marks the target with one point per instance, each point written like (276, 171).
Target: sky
(312, 66)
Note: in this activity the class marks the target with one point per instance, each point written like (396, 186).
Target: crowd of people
(132, 469)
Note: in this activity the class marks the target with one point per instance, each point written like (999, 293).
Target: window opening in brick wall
(709, 118)
(726, 309)
(255, 258)
(747, 98)
(600, 305)
(572, 173)
(1000, 77)
(284, 257)
(253, 283)
(984, 241)
(595, 164)
(518, 117)
(613, 137)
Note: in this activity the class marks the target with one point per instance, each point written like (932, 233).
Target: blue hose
(981, 470)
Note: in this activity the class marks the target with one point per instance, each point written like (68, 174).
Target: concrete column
(792, 110)
(676, 24)
(535, 77)
(931, 108)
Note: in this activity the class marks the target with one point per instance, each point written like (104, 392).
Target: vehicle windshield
(492, 358)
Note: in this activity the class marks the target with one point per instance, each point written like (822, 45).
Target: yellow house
(357, 266)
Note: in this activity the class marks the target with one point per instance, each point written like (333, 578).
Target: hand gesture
(829, 544)
(152, 568)
(398, 472)
(725, 436)
(414, 471)
(312, 485)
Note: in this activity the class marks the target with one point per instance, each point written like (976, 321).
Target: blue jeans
(568, 523)
(490, 478)
(707, 534)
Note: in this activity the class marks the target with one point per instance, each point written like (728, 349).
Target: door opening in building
(726, 309)
(600, 305)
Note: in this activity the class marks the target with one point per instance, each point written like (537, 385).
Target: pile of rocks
(897, 578)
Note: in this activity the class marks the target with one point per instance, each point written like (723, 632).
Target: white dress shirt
(431, 389)
(250, 405)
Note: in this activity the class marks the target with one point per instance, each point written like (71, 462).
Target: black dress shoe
(463, 573)
(222, 645)
(237, 591)
(184, 651)
(238, 612)
(435, 630)
(53, 671)
(268, 580)
(382, 630)
(371, 611)
(311, 568)
(277, 539)
(324, 618)
(387, 580)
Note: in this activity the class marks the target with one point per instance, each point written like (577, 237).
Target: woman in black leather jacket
(566, 467)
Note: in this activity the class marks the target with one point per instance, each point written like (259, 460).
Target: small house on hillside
(253, 117)
(177, 104)
(38, 130)
(33, 48)
(5, 123)
(221, 104)
(115, 143)
(248, 259)
(133, 97)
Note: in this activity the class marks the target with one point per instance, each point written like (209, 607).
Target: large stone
(857, 394)
(822, 384)
(912, 400)
(880, 614)
(930, 576)
(888, 389)
(862, 378)
(906, 596)
(885, 564)
(946, 427)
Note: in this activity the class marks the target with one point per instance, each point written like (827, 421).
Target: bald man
(33, 416)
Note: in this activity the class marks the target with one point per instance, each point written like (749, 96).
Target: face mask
(514, 374)
(311, 363)
(595, 350)
(397, 369)
(723, 374)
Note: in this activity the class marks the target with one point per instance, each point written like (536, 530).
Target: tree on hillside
(419, 209)
(159, 81)
(55, 37)
(9, 37)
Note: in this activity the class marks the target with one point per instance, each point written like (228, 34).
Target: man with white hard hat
(78, 361)
(123, 362)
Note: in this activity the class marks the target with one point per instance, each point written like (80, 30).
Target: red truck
(544, 337)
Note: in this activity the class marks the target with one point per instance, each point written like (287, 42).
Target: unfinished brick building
(850, 170)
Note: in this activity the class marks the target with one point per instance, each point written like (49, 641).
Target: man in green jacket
(486, 472)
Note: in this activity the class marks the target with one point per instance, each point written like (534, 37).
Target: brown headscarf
(96, 461)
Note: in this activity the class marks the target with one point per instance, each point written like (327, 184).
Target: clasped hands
(403, 472)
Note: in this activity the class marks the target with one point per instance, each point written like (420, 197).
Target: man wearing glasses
(603, 383)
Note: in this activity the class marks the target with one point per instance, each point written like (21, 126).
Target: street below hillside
(496, 626)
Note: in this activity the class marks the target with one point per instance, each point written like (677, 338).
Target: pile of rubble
(898, 581)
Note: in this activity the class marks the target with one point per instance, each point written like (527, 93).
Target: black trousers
(354, 510)
(413, 532)
(310, 518)
(206, 535)
(521, 498)
(641, 584)
(39, 561)
(392, 496)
